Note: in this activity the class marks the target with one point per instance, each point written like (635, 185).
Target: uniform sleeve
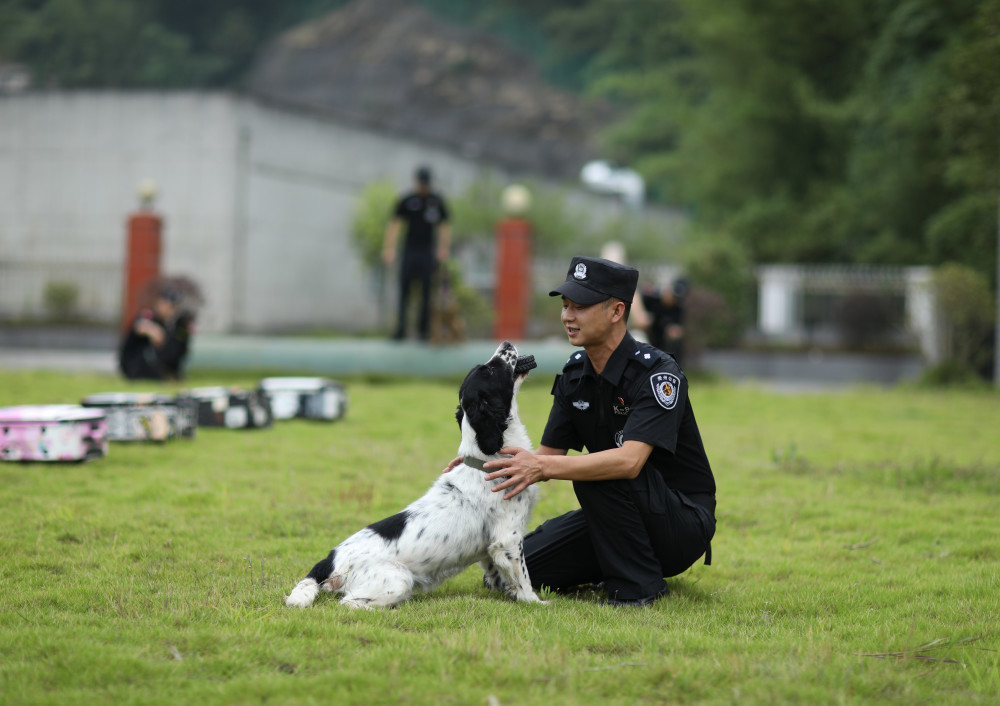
(399, 211)
(445, 214)
(660, 397)
(560, 433)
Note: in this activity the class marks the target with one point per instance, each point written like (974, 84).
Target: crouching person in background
(156, 345)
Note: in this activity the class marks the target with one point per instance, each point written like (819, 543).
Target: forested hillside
(804, 130)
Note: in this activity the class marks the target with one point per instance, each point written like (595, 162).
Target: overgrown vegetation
(855, 561)
(966, 309)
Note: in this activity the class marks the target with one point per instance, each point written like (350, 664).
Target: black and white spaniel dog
(458, 522)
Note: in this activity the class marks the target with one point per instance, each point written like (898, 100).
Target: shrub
(966, 310)
(720, 268)
(371, 215)
(60, 300)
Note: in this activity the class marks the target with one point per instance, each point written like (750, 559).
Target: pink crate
(52, 432)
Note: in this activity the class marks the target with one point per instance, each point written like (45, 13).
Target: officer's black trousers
(416, 268)
(628, 534)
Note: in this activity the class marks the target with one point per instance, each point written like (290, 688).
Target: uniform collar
(615, 367)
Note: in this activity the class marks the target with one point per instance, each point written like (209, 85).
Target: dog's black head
(486, 395)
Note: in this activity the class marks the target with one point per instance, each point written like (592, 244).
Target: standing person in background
(426, 245)
(666, 317)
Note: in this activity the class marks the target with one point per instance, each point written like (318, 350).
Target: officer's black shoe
(633, 602)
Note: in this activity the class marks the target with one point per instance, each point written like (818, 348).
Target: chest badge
(582, 405)
(620, 408)
(665, 387)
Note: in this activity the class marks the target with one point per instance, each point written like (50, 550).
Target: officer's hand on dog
(454, 462)
(521, 470)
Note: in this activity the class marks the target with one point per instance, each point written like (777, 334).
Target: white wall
(70, 164)
(257, 201)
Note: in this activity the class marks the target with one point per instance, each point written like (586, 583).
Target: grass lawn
(857, 560)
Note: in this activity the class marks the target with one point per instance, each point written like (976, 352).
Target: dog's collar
(477, 463)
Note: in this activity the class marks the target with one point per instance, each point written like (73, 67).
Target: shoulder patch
(665, 389)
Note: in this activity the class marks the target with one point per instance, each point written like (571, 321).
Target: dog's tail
(306, 590)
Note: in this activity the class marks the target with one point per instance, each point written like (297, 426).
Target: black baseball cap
(424, 175)
(591, 280)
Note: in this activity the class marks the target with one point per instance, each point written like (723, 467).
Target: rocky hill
(392, 65)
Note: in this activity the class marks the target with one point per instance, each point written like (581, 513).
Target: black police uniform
(629, 533)
(422, 213)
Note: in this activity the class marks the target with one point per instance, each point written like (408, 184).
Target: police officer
(426, 246)
(645, 487)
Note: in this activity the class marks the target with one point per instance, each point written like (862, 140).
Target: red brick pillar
(512, 289)
(142, 259)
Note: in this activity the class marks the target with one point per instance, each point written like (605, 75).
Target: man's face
(586, 325)
(164, 308)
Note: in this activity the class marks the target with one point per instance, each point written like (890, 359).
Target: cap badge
(581, 271)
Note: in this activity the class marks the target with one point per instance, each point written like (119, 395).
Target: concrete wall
(70, 164)
(257, 201)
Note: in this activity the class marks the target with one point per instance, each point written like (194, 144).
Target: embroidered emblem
(620, 408)
(646, 356)
(619, 438)
(665, 386)
(582, 405)
(581, 271)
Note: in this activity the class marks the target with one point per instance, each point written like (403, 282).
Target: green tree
(855, 131)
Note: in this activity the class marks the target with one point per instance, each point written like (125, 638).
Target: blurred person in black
(157, 342)
(665, 325)
(425, 247)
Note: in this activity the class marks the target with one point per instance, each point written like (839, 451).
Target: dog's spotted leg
(508, 557)
(491, 576)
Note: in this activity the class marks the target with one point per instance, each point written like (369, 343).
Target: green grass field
(857, 561)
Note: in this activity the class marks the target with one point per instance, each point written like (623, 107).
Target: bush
(966, 310)
(371, 215)
(60, 300)
(719, 268)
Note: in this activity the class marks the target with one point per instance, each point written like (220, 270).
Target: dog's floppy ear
(489, 421)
